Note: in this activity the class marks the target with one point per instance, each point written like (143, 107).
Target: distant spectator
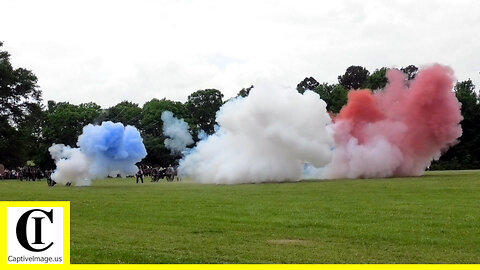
(139, 174)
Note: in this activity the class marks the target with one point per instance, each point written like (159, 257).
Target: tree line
(28, 128)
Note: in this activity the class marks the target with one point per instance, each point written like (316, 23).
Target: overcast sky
(109, 51)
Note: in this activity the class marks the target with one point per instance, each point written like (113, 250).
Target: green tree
(125, 112)
(65, 121)
(151, 121)
(32, 135)
(334, 95)
(466, 154)
(377, 80)
(20, 112)
(152, 125)
(411, 71)
(203, 106)
(18, 90)
(355, 77)
(63, 124)
(12, 154)
(309, 83)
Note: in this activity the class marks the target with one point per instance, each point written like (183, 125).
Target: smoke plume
(281, 135)
(72, 165)
(266, 136)
(397, 131)
(177, 132)
(278, 134)
(110, 148)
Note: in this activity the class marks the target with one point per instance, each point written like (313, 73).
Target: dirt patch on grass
(298, 242)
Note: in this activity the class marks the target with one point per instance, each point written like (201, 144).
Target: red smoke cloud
(397, 131)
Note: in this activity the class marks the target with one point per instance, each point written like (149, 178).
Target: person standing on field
(170, 173)
(139, 174)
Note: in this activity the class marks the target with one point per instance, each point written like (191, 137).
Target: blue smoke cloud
(109, 148)
(112, 141)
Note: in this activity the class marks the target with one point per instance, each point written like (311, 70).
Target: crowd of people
(26, 173)
(29, 173)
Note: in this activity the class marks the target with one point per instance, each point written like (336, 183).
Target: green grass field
(429, 219)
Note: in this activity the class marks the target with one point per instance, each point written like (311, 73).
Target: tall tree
(151, 122)
(152, 125)
(203, 105)
(309, 83)
(18, 90)
(466, 154)
(378, 79)
(12, 153)
(411, 71)
(20, 112)
(65, 121)
(125, 112)
(334, 95)
(355, 77)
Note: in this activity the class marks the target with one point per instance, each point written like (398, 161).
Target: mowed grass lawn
(430, 219)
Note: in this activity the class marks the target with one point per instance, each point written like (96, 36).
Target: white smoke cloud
(355, 160)
(72, 165)
(177, 132)
(267, 136)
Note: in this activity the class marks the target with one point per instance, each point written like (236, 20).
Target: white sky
(109, 51)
